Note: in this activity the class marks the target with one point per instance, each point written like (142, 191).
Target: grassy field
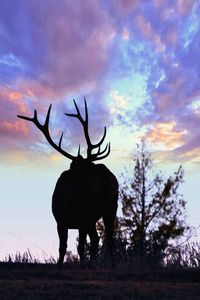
(43, 281)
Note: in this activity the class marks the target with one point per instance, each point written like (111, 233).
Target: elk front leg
(63, 235)
(81, 246)
(94, 240)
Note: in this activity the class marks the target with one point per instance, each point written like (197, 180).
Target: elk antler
(45, 130)
(99, 154)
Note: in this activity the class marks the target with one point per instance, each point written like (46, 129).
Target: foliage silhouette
(153, 210)
(153, 213)
(84, 193)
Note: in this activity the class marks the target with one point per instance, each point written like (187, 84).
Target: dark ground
(43, 281)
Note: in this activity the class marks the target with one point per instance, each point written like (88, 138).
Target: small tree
(153, 210)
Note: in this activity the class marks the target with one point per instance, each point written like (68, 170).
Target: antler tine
(90, 146)
(45, 130)
(98, 156)
(86, 112)
(60, 141)
(79, 149)
(83, 122)
(99, 152)
(78, 111)
(25, 118)
(77, 115)
(101, 141)
(46, 123)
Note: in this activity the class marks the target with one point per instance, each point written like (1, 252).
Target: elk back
(83, 196)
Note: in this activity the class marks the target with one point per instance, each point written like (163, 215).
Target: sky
(137, 63)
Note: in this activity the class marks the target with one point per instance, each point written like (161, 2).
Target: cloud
(166, 134)
(172, 85)
(119, 104)
(11, 103)
(60, 51)
(50, 52)
(162, 45)
(146, 29)
(125, 34)
(184, 6)
(15, 135)
(125, 7)
(48, 44)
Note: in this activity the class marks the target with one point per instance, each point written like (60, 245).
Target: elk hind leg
(94, 240)
(81, 246)
(63, 235)
(109, 232)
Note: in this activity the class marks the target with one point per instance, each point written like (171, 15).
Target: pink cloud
(144, 26)
(35, 88)
(146, 29)
(13, 97)
(14, 128)
(124, 7)
(13, 103)
(61, 49)
(77, 38)
(126, 34)
(172, 37)
(184, 6)
(163, 102)
(157, 3)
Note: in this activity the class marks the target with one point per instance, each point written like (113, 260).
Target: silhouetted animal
(84, 193)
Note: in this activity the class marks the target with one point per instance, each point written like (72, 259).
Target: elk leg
(81, 246)
(94, 240)
(63, 235)
(109, 231)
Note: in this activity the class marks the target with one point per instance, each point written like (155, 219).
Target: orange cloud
(12, 103)
(13, 97)
(166, 134)
(18, 99)
(191, 157)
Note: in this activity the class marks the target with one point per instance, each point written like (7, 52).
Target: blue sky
(137, 63)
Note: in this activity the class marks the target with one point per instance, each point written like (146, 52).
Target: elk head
(76, 160)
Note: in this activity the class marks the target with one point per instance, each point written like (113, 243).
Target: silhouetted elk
(84, 193)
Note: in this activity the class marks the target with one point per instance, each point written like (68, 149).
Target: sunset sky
(137, 62)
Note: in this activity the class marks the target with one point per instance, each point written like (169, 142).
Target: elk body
(83, 194)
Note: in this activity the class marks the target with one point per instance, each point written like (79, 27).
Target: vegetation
(153, 213)
(148, 264)
(182, 257)
(22, 277)
(153, 210)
